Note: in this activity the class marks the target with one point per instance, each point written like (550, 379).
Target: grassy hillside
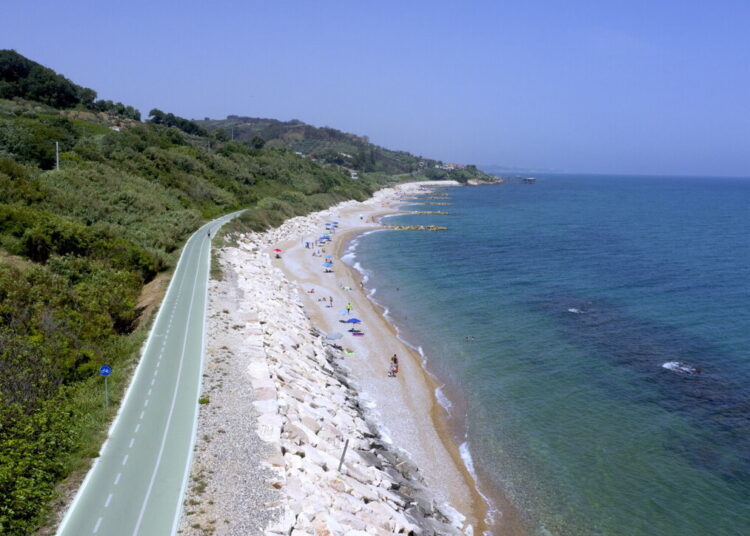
(77, 246)
(335, 147)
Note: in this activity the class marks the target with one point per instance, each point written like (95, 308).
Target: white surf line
(169, 417)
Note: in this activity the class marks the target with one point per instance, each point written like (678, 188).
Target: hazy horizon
(643, 88)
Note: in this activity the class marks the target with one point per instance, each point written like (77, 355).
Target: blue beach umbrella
(329, 256)
(353, 321)
(327, 264)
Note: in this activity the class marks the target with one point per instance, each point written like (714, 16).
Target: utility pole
(57, 155)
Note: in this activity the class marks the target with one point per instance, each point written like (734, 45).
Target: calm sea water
(607, 391)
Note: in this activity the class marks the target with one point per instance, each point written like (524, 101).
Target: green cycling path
(136, 485)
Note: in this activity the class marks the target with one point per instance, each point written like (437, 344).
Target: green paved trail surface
(135, 487)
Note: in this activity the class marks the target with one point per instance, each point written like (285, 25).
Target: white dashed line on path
(125, 459)
(96, 527)
(117, 478)
(109, 498)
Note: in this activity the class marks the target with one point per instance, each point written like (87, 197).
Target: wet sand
(406, 405)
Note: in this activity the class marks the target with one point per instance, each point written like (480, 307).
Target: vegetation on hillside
(333, 146)
(78, 244)
(22, 78)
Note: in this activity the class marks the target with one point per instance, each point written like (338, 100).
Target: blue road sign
(105, 370)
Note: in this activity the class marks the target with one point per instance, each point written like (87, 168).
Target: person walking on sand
(394, 367)
(330, 300)
(348, 308)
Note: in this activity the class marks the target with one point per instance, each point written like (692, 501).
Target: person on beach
(330, 301)
(394, 367)
(348, 308)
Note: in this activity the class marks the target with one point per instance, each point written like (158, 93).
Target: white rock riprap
(286, 408)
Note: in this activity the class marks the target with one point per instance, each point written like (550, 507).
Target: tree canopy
(21, 77)
(25, 79)
(170, 120)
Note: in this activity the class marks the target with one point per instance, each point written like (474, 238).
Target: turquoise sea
(607, 391)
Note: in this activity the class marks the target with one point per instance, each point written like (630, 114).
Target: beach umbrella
(353, 321)
(329, 256)
(327, 264)
(334, 335)
(277, 250)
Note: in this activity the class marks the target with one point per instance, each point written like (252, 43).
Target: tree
(21, 77)
(156, 116)
(220, 135)
(257, 142)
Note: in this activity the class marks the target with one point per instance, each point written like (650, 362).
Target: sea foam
(443, 400)
(680, 367)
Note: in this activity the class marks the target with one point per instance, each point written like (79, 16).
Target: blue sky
(631, 86)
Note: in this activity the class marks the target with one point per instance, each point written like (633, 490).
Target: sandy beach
(405, 406)
(282, 366)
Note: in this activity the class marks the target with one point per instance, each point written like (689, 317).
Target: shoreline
(268, 322)
(493, 512)
(446, 464)
(479, 509)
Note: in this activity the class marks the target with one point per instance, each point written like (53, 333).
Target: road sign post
(105, 370)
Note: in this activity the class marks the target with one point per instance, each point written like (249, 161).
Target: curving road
(136, 485)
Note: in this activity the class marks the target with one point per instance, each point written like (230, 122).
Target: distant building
(449, 167)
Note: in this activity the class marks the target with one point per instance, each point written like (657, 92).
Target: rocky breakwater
(415, 227)
(307, 410)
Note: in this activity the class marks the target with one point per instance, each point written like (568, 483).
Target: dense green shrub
(90, 235)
